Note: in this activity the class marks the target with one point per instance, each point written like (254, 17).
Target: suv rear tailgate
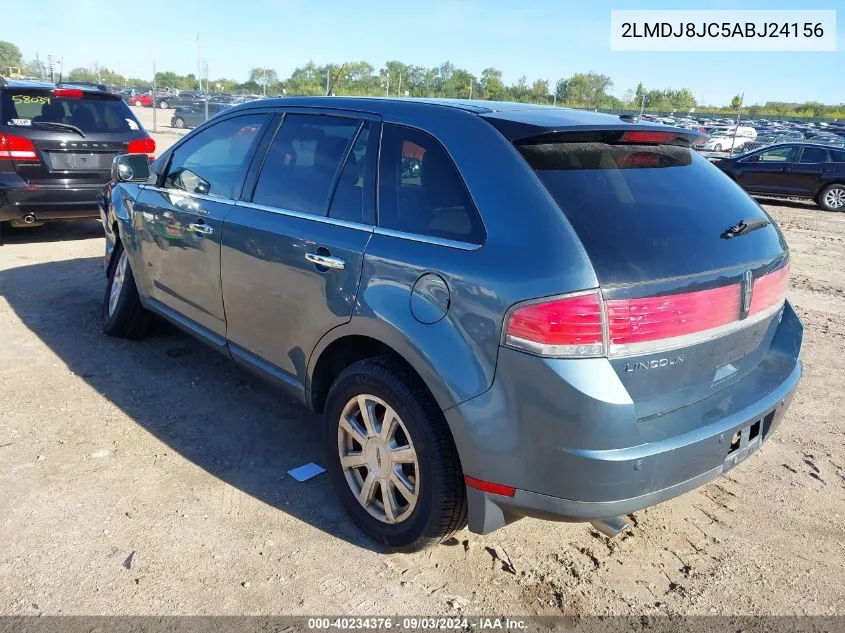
(692, 271)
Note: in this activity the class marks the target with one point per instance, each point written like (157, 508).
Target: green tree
(10, 55)
(539, 92)
(492, 86)
(639, 95)
(586, 89)
(263, 77)
(736, 102)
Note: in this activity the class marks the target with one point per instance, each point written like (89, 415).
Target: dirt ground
(149, 478)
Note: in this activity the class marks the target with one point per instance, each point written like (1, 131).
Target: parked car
(56, 149)
(141, 100)
(556, 313)
(184, 98)
(192, 116)
(794, 170)
(723, 142)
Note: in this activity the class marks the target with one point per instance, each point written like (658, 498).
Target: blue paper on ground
(304, 473)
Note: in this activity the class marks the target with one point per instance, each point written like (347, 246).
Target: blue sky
(539, 38)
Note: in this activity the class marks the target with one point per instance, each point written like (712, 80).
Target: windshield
(92, 114)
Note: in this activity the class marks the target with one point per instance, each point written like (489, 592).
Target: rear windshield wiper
(64, 126)
(744, 226)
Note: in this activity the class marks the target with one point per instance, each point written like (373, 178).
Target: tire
(162, 105)
(126, 317)
(832, 197)
(439, 507)
(138, 104)
(179, 122)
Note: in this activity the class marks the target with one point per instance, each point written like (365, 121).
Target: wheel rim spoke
(353, 460)
(350, 425)
(405, 487)
(403, 455)
(389, 501)
(365, 497)
(367, 415)
(389, 425)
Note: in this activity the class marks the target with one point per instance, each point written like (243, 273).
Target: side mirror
(130, 168)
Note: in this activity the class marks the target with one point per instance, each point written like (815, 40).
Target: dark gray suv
(501, 310)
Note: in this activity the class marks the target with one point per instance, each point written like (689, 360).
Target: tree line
(582, 90)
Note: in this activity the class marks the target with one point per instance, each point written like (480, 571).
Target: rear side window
(353, 197)
(92, 113)
(212, 162)
(421, 191)
(303, 161)
(814, 155)
(837, 156)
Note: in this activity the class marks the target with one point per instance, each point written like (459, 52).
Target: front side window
(421, 191)
(212, 162)
(303, 161)
(777, 155)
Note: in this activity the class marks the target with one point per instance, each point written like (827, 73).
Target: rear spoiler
(627, 135)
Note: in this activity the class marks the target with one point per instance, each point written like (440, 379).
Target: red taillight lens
(769, 290)
(567, 326)
(652, 318)
(644, 136)
(17, 148)
(68, 93)
(144, 145)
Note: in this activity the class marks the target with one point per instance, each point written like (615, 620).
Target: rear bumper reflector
(486, 486)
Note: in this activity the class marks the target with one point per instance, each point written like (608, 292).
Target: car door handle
(202, 229)
(327, 261)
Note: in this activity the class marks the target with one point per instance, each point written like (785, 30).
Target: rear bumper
(49, 203)
(567, 437)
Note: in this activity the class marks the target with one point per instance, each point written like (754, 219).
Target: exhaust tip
(612, 526)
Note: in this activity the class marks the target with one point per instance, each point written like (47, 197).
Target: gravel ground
(149, 478)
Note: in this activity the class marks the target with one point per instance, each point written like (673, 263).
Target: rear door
(75, 133)
(293, 248)
(805, 175)
(692, 271)
(181, 220)
(766, 171)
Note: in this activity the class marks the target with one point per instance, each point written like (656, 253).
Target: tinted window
(837, 156)
(302, 162)
(212, 161)
(420, 190)
(92, 114)
(646, 212)
(814, 155)
(355, 183)
(777, 155)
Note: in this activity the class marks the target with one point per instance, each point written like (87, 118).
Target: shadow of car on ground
(196, 401)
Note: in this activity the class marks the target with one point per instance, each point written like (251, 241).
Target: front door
(183, 220)
(293, 250)
(766, 171)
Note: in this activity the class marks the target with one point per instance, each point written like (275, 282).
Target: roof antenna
(330, 87)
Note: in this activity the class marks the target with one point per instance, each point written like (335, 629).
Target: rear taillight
(653, 318)
(584, 325)
(564, 326)
(769, 291)
(17, 148)
(144, 145)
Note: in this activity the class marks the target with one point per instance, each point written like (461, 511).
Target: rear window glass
(92, 114)
(647, 212)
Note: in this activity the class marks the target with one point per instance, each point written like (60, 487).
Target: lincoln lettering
(654, 364)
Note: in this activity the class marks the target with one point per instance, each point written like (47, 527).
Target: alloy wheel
(835, 198)
(117, 282)
(378, 459)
